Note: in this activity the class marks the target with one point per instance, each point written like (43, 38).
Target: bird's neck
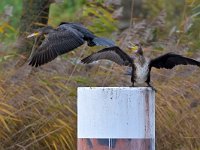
(140, 51)
(141, 60)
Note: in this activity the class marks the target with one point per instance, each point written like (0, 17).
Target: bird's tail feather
(98, 41)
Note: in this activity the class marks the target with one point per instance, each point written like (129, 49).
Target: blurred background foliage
(38, 106)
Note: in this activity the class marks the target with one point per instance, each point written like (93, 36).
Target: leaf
(4, 123)
(70, 110)
(54, 145)
(7, 112)
(64, 139)
(81, 79)
(6, 105)
(65, 124)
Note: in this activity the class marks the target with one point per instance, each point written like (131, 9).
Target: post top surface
(118, 88)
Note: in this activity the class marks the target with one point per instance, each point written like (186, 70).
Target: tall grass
(38, 108)
(34, 113)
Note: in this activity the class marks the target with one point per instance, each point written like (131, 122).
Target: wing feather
(170, 60)
(56, 43)
(114, 54)
(89, 36)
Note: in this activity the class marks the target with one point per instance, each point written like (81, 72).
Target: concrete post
(117, 118)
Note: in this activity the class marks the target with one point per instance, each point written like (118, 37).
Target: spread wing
(79, 27)
(89, 36)
(56, 43)
(114, 54)
(170, 60)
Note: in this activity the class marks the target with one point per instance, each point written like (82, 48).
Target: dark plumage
(63, 39)
(141, 65)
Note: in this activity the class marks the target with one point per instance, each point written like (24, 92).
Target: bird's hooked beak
(34, 34)
(136, 47)
(133, 46)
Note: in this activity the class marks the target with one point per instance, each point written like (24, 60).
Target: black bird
(141, 65)
(63, 39)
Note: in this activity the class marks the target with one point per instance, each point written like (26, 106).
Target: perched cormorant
(141, 65)
(63, 39)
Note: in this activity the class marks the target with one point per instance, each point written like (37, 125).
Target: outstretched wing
(89, 36)
(170, 60)
(99, 41)
(114, 54)
(56, 43)
(79, 27)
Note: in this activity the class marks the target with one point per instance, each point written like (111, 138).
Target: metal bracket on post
(117, 118)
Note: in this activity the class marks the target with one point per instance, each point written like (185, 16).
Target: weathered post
(117, 118)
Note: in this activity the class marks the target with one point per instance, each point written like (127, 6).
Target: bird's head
(136, 47)
(41, 31)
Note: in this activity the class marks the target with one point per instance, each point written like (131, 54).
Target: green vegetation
(17, 6)
(38, 106)
(66, 11)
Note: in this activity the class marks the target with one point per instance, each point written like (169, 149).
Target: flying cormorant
(141, 65)
(63, 39)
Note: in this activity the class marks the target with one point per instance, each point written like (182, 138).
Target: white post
(117, 118)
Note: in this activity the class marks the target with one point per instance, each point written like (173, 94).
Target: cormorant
(141, 65)
(63, 39)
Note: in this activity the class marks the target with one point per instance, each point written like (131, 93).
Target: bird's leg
(132, 80)
(132, 84)
(151, 86)
(148, 82)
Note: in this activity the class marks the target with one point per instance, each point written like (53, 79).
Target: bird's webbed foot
(151, 87)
